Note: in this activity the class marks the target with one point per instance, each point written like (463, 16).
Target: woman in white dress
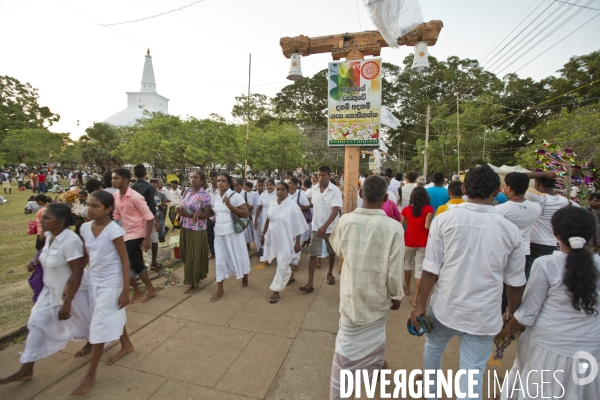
(299, 197)
(285, 223)
(240, 187)
(307, 187)
(231, 255)
(260, 188)
(61, 312)
(266, 198)
(560, 309)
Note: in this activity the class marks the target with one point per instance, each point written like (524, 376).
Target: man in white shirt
(326, 201)
(370, 284)
(175, 197)
(471, 252)
(543, 242)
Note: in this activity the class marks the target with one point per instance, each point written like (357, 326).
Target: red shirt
(416, 234)
(41, 178)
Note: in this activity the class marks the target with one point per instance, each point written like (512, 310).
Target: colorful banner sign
(354, 105)
(373, 164)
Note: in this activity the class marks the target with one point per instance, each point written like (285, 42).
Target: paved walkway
(240, 347)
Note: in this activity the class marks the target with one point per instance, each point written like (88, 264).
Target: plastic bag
(394, 18)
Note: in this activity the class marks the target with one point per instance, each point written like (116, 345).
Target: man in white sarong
(283, 228)
(370, 283)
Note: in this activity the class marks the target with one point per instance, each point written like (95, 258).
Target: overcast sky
(200, 54)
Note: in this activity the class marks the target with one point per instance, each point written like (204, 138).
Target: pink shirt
(133, 212)
(391, 210)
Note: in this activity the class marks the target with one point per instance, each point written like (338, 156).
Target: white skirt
(249, 233)
(534, 358)
(47, 334)
(231, 256)
(107, 320)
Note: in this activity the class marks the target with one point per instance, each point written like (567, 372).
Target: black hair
(399, 176)
(226, 175)
(175, 182)
(518, 182)
(239, 181)
(43, 198)
(271, 181)
(260, 180)
(581, 275)
(455, 188)
(389, 171)
(249, 184)
(212, 174)
(123, 173)
(594, 195)
(307, 183)
(419, 198)
(326, 169)
(289, 173)
(83, 193)
(153, 180)
(481, 182)
(106, 199)
(62, 212)
(92, 185)
(295, 180)
(31, 198)
(545, 182)
(285, 185)
(437, 178)
(374, 189)
(202, 178)
(139, 171)
(411, 176)
(107, 179)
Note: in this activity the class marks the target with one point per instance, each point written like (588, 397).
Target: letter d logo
(583, 363)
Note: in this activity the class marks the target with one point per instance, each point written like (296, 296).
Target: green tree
(258, 110)
(98, 146)
(19, 107)
(34, 146)
(277, 147)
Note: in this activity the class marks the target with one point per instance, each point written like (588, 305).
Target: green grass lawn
(17, 248)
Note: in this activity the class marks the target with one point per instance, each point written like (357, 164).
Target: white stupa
(146, 99)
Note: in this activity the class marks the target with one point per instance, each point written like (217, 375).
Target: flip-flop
(307, 289)
(331, 281)
(274, 299)
(292, 280)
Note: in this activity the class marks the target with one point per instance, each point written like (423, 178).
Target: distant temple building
(146, 99)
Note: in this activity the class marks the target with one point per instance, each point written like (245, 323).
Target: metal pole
(248, 115)
(426, 142)
(457, 134)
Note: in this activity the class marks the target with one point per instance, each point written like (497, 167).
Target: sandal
(307, 289)
(292, 280)
(274, 299)
(331, 280)
(155, 266)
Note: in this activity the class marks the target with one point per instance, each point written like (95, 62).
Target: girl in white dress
(307, 188)
(108, 277)
(560, 309)
(299, 197)
(61, 312)
(240, 187)
(231, 255)
(266, 198)
(285, 224)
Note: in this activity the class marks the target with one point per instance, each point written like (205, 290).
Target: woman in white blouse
(231, 255)
(266, 198)
(61, 312)
(560, 309)
(299, 197)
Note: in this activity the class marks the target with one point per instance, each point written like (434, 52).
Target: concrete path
(240, 347)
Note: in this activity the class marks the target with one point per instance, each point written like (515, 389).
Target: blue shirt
(500, 199)
(438, 195)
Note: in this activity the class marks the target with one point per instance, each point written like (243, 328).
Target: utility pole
(426, 142)
(457, 133)
(484, 134)
(248, 116)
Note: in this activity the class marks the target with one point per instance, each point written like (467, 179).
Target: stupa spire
(148, 82)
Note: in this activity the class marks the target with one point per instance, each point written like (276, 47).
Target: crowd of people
(489, 258)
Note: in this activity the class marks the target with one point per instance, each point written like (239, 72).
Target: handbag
(32, 228)
(307, 214)
(239, 223)
(36, 280)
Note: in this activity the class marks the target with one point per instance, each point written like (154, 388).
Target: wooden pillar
(351, 159)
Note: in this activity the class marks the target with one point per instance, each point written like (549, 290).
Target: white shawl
(286, 221)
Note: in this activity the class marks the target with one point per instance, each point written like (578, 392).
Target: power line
(589, 8)
(153, 16)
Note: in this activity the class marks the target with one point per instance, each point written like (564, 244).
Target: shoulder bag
(239, 223)
(307, 215)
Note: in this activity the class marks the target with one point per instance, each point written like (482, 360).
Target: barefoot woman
(230, 247)
(194, 210)
(61, 312)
